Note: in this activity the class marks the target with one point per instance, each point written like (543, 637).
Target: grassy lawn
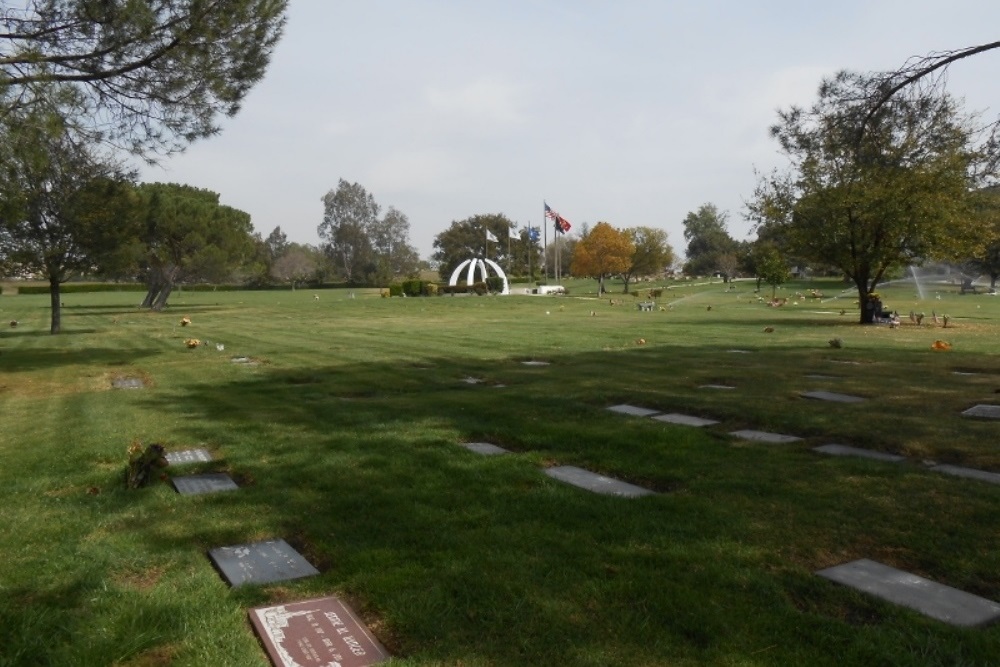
(345, 438)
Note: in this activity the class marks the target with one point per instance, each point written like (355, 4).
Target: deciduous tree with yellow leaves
(605, 251)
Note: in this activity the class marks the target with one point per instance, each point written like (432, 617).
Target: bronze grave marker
(319, 632)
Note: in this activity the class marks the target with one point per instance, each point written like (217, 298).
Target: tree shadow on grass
(23, 359)
(360, 468)
(38, 333)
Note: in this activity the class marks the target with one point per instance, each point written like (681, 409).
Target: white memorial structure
(470, 266)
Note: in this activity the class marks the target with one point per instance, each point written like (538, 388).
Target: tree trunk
(865, 301)
(151, 293)
(56, 306)
(161, 298)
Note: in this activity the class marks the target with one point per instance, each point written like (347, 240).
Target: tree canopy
(465, 239)
(896, 197)
(189, 235)
(604, 251)
(708, 240)
(147, 76)
(366, 249)
(65, 209)
(652, 254)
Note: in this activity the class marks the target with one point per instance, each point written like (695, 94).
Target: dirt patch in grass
(128, 379)
(154, 657)
(140, 580)
(316, 557)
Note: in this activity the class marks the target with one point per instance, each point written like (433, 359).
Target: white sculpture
(482, 265)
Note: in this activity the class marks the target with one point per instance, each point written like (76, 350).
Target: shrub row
(77, 288)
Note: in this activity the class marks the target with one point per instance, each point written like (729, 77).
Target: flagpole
(558, 267)
(545, 247)
(508, 251)
(529, 245)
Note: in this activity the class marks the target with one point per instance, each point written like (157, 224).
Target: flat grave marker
(820, 376)
(591, 481)
(485, 448)
(472, 380)
(190, 485)
(188, 456)
(535, 363)
(128, 383)
(685, 420)
(260, 563)
(764, 436)
(716, 386)
(845, 450)
(983, 411)
(970, 473)
(930, 598)
(740, 351)
(633, 410)
(845, 361)
(833, 396)
(321, 632)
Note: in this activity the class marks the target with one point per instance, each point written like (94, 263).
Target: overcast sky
(633, 112)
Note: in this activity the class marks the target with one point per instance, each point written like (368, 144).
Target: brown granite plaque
(320, 632)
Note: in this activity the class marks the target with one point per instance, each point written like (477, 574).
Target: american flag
(561, 224)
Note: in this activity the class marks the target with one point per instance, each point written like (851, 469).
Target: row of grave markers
(327, 631)
(935, 600)
(930, 598)
(319, 631)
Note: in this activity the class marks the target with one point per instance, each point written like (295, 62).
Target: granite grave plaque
(188, 456)
(740, 352)
(832, 396)
(684, 420)
(321, 632)
(633, 410)
(190, 485)
(716, 386)
(983, 411)
(764, 436)
(845, 450)
(485, 448)
(597, 483)
(535, 363)
(970, 473)
(820, 376)
(260, 563)
(930, 598)
(128, 383)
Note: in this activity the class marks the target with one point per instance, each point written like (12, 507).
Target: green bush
(430, 289)
(80, 288)
(395, 289)
(480, 288)
(494, 283)
(412, 287)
